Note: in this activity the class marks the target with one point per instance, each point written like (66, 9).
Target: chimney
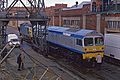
(76, 3)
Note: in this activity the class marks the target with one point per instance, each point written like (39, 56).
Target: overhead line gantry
(37, 18)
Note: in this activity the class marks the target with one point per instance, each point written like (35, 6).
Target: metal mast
(37, 18)
(3, 23)
(39, 27)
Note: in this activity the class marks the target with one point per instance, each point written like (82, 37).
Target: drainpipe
(53, 21)
(84, 21)
(98, 22)
(60, 17)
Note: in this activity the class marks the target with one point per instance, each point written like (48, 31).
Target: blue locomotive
(77, 44)
(26, 31)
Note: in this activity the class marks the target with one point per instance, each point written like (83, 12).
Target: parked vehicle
(13, 39)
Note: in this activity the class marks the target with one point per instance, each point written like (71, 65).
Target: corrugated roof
(84, 32)
(57, 28)
(76, 32)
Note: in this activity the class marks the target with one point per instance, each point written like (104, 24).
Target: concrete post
(98, 22)
(59, 20)
(53, 21)
(84, 21)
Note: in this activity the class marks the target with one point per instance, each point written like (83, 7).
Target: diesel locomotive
(80, 45)
(25, 30)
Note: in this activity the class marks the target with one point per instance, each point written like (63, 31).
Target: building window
(65, 22)
(109, 24)
(94, 7)
(118, 24)
(72, 22)
(78, 22)
(75, 23)
(114, 24)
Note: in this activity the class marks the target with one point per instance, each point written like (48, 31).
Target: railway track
(61, 68)
(79, 71)
(108, 71)
(36, 71)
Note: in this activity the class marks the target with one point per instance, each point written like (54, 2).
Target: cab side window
(79, 42)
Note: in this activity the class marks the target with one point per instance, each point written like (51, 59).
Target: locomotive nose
(93, 48)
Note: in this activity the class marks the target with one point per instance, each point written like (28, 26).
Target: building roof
(79, 33)
(78, 6)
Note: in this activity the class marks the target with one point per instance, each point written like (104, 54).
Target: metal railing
(3, 48)
(7, 54)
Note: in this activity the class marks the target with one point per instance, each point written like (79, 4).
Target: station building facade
(52, 11)
(100, 15)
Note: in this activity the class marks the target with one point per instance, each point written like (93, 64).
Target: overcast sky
(53, 2)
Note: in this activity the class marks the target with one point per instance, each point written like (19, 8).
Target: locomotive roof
(80, 33)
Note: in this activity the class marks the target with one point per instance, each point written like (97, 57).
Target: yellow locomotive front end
(93, 46)
(30, 32)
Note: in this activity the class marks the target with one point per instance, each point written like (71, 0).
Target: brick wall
(76, 13)
(15, 23)
(52, 11)
(91, 21)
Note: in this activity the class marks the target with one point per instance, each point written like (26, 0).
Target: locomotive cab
(93, 46)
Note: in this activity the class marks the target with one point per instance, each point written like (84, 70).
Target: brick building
(74, 16)
(109, 12)
(100, 15)
(13, 12)
(52, 11)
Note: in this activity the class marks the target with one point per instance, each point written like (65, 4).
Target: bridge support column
(98, 22)
(39, 35)
(3, 27)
